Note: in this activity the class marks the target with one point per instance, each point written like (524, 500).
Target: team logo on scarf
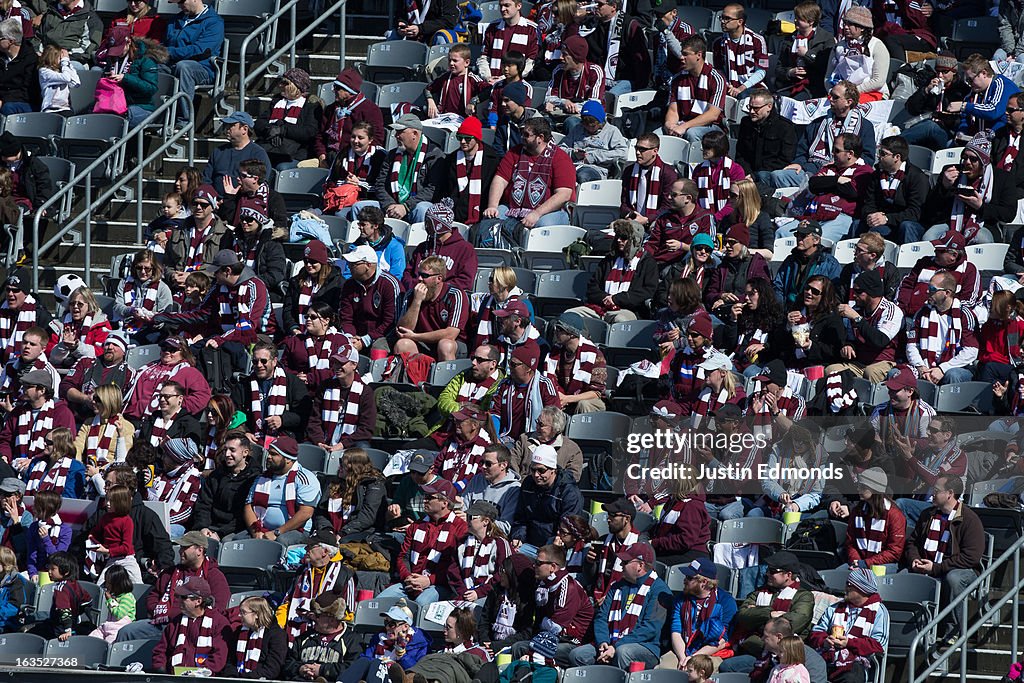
(537, 189)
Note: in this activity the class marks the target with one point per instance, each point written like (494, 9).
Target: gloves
(547, 625)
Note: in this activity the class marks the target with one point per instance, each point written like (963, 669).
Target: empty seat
(400, 93)
(312, 457)
(38, 131)
(752, 530)
(559, 290)
(629, 342)
(301, 188)
(83, 97)
(599, 426)
(87, 137)
(139, 356)
(552, 238)
(392, 61)
(77, 652)
(16, 645)
(62, 172)
(249, 561)
(597, 204)
(964, 397)
(241, 19)
(443, 371)
(132, 652)
(595, 673)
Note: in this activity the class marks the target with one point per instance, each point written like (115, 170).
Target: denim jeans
(927, 134)
(15, 108)
(787, 178)
(696, 134)
(912, 509)
(957, 375)
(585, 655)
(915, 232)
(836, 229)
(137, 115)
(143, 629)
(733, 510)
(560, 217)
(430, 594)
(190, 74)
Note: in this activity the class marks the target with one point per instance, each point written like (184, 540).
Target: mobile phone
(966, 191)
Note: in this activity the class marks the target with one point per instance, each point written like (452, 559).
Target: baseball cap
(702, 566)
(192, 538)
(774, 372)
(194, 585)
(364, 253)
(784, 561)
(903, 379)
(345, 354)
(440, 487)
(421, 461)
(469, 411)
(407, 121)
(808, 227)
(545, 456)
(716, 361)
(226, 258)
(641, 551)
(621, 506)
(37, 378)
(12, 485)
(396, 613)
(951, 241)
(238, 117)
(514, 307)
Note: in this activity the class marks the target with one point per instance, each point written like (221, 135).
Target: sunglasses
(540, 469)
(932, 289)
(261, 361)
(464, 138)
(641, 150)
(167, 397)
(933, 430)
(731, 243)
(480, 359)
(424, 276)
(14, 290)
(813, 290)
(202, 205)
(703, 249)
(1013, 110)
(970, 158)
(247, 175)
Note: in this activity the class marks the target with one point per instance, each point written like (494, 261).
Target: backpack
(813, 534)
(498, 233)
(215, 364)
(402, 414)
(407, 368)
(575, 252)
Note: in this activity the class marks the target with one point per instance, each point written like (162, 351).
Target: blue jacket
(74, 485)
(789, 290)
(717, 626)
(415, 650)
(40, 548)
(991, 110)
(652, 618)
(390, 250)
(199, 39)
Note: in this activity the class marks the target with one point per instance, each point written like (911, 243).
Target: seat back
(36, 130)
(911, 252)
(957, 398)
(762, 530)
(922, 157)
(140, 356)
(132, 652)
(988, 256)
(301, 180)
(392, 61)
(258, 553)
(16, 645)
(399, 93)
(945, 157)
(844, 249)
(312, 457)
(78, 651)
(599, 426)
(443, 371)
(552, 238)
(594, 673)
(368, 617)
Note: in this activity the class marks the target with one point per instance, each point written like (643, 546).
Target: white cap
(364, 253)
(546, 456)
(716, 361)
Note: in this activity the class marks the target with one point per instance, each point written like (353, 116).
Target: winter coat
(286, 142)
(790, 281)
(222, 498)
(34, 182)
(371, 504)
(732, 276)
(270, 263)
(142, 81)
(218, 657)
(329, 293)
(907, 203)
(767, 145)
(273, 652)
(79, 33)
(539, 511)
(19, 79)
(177, 246)
(196, 39)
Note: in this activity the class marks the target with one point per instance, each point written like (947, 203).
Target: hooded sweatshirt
(458, 254)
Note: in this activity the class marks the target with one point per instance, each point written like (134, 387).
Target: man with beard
(516, 329)
(539, 177)
(344, 414)
(941, 343)
(323, 573)
(218, 511)
(170, 420)
(938, 456)
(446, 243)
(906, 414)
(522, 395)
(950, 257)
(852, 630)
(513, 113)
(761, 667)
(808, 258)
(470, 170)
(19, 312)
(624, 281)
(708, 631)
(31, 357)
(78, 386)
(281, 503)
(251, 190)
(475, 384)
(602, 565)
(780, 596)
(27, 424)
(275, 402)
(872, 329)
(674, 229)
(434, 315)
(897, 192)
(241, 145)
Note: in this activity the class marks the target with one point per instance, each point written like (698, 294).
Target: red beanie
(472, 126)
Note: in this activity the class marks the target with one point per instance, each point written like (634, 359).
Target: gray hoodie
(503, 493)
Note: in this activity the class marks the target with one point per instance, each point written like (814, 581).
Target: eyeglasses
(144, 269)
(758, 107)
(673, 195)
(516, 364)
(945, 71)
(77, 304)
(538, 563)
(813, 290)
(641, 150)
(694, 335)
(424, 276)
(434, 497)
(166, 397)
(488, 463)
(834, 96)
(191, 597)
(540, 469)
(932, 289)
(726, 20)
(47, 442)
(261, 361)
(202, 205)
(480, 359)
(168, 349)
(933, 430)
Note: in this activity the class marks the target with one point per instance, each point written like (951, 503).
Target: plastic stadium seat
(552, 238)
(700, 18)
(132, 651)
(600, 426)
(975, 34)
(870, 394)
(597, 204)
(752, 530)
(922, 157)
(909, 253)
(399, 93)
(443, 371)
(783, 248)
(965, 397)
(492, 258)
(595, 673)
(629, 342)
(38, 131)
(544, 261)
(239, 596)
(44, 598)
(844, 250)
(988, 256)
(301, 188)
(83, 97)
(632, 100)
(139, 356)
(83, 650)
(980, 489)
(368, 617)
(600, 524)
(110, 6)
(945, 157)
(672, 149)
(248, 561)
(14, 645)
(559, 290)
(393, 61)
(61, 173)
(595, 329)
(87, 137)
(241, 19)
(312, 457)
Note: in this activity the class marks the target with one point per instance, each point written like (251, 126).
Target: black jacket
(150, 539)
(1002, 208)
(450, 184)
(907, 203)
(828, 335)
(270, 264)
(999, 144)
(1014, 261)
(762, 230)
(34, 182)
(273, 652)
(228, 210)
(19, 78)
(634, 63)
(220, 503)
(539, 511)
(819, 48)
(286, 142)
(767, 145)
(184, 426)
(330, 294)
(640, 291)
(333, 657)
(443, 14)
(890, 280)
(371, 504)
(297, 404)
(925, 102)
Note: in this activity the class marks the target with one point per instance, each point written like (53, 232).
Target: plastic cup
(363, 594)
(44, 578)
(790, 517)
(504, 658)
(596, 507)
(878, 569)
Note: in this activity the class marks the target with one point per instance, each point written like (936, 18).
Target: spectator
(864, 631)
(430, 24)
(696, 95)
(803, 57)
(85, 329)
(873, 330)
(647, 182)
(737, 268)
(787, 493)
(32, 357)
(533, 203)
(287, 133)
(140, 21)
(221, 416)
(596, 147)
(859, 57)
(776, 406)
(513, 113)
(547, 496)
(19, 84)
(142, 80)
(218, 510)
(350, 107)
(781, 596)
(459, 636)
(435, 314)
(344, 414)
(775, 631)
(179, 482)
(261, 644)
(814, 148)
(692, 347)
(898, 190)
(26, 431)
(496, 484)
(808, 259)
(194, 40)
(462, 452)
(556, 22)
(285, 516)
(718, 388)
(617, 44)
(924, 462)
(277, 401)
(330, 648)
(107, 437)
(672, 32)
(971, 198)
(15, 519)
(443, 241)
(197, 242)
(370, 301)
(56, 78)
(400, 641)
(563, 607)
(143, 288)
(625, 279)
(32, 186)
(508, 610)
(513, 63)
(355, 505)
(254, 192)
(576, 366)
(225, 161)
(375, 232)
(411, 184)
(454, 92)
(751, 324)
(941, 344)
(739, 54)
(359, 163)
(766, 141)
(408, 500)
(745, 198)
(512, 32)
(996, 353)
(602, 567)
(550, 431)
(308, 355)
(72, 604)
(177, 361)
(1006, 143)
(14, 589)
(985, 106)
(170, 420)
(877, 529)
(701, 618)
(47, 534)
(930, 105)
(683, 529)
(950, 257)
(903, 28)
(503, 294)
(520, 397)
(479, 555)
(110, 545)
(905, 414)
(199, 635)
(319, 282)
(253, 242)
(716, 174)
(72, 25)
(322, 573)
(515, 329)
(673, 231)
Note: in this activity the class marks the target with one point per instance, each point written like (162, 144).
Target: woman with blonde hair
(746, 209)
(480, 554)
(57, 469)
(261, 644)
(85, 330)
(503, 288)
(683, 529)
(143, 289)
(14, 592)
(719, 389)
(354, 506)
(107, 437)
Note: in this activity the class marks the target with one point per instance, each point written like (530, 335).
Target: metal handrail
(118, 183)
(960, 602)
(245, 78)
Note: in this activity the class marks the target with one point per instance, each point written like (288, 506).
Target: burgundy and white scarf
(429, 541)
(741, 57)
(330, 410)
(837, 398)
(308, 587)
(334, 131)
(582, 365)
(829, 130)
(203, 644)
(211, 449)
(415, 13)
(12, 371)
(277, 400)
(624, 614)
(194, 249)
(307, 289)
(963, 219)
(338, 512)
(867, 532)
(787, 404)
(179, 487)
(261, 495)
(359, 165)
(160, 426)
(101, 441)
(147, 300)
(44, 477)
(713, 182)
(1010, 153)
(30, 432)
(933, 347)
(936, 541)
(609, 566)
(828, 206)
(470, 177)
(485, 313)
(287, 111)
(780, 601)
(861, 627)
(395, 187)
(249, 649)
(556, 587)
(708, 402)
(530, 182)
(479, 559)
(890, 182)
(645, 187)
(939, 462)
(460, 460)
(13, 325)
(620, 275)
(319, 349)
(519, 38)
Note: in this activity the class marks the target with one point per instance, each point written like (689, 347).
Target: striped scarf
(429, 541)
(867, 532)
(234, 307)
(741, 57)
(645, 187)
(789, 405)
(319, 349)
(485, 313)
(19, 321)
(938, 462)
(338, 512)
(399, 190)
(933, 347)
(194, 250)
(261, 494)
(287, 111)
(211, 449)
(461, 460)
(160, 426)
(463, 91)
(80, 328)
(694, 94)
(838, 399)
(707, 404)
(470, 177)
(620, 275)
(479, 559)
(277, 401)
(310, 585)
(9, 380)
(1010, 153)
(30, 431)
(780, 601)
(147, 302)
(890, 182)
(670, 517)
(829, 130)
(828, 206)
(582, 366)
(203, 644)
(936, 541)
(557, 586)
(307, 289)
(964, 219)
(623, 614)
(862, 625)
(44, 477)
(245, 248)
(101, 441)
(330, 410)
(609, 566)
(519, 38)
(337, 125)
(713, 182)
(249, 649)
(179, 487)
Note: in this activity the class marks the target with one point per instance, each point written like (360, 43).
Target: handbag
(110, 98)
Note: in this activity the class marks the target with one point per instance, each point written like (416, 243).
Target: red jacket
(892, 547)
(993, 341)
(116, 534)
(216, 659)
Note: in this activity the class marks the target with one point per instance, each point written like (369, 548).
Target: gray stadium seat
(559, 290)
(442, 372)
(751, 530)
(15, 645)
(38, 131)
(248, 562)
(82, 650)
(398, 93)
(237, 598)
(61, 173)
(312, 457)
(600, 426)
(393, 61)
(964, 397)
(629, 342)
(86, 137)
(368, 617)
(83, 97)
(140, 356)
(595, 673)
(301, 188)
(131, 652)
